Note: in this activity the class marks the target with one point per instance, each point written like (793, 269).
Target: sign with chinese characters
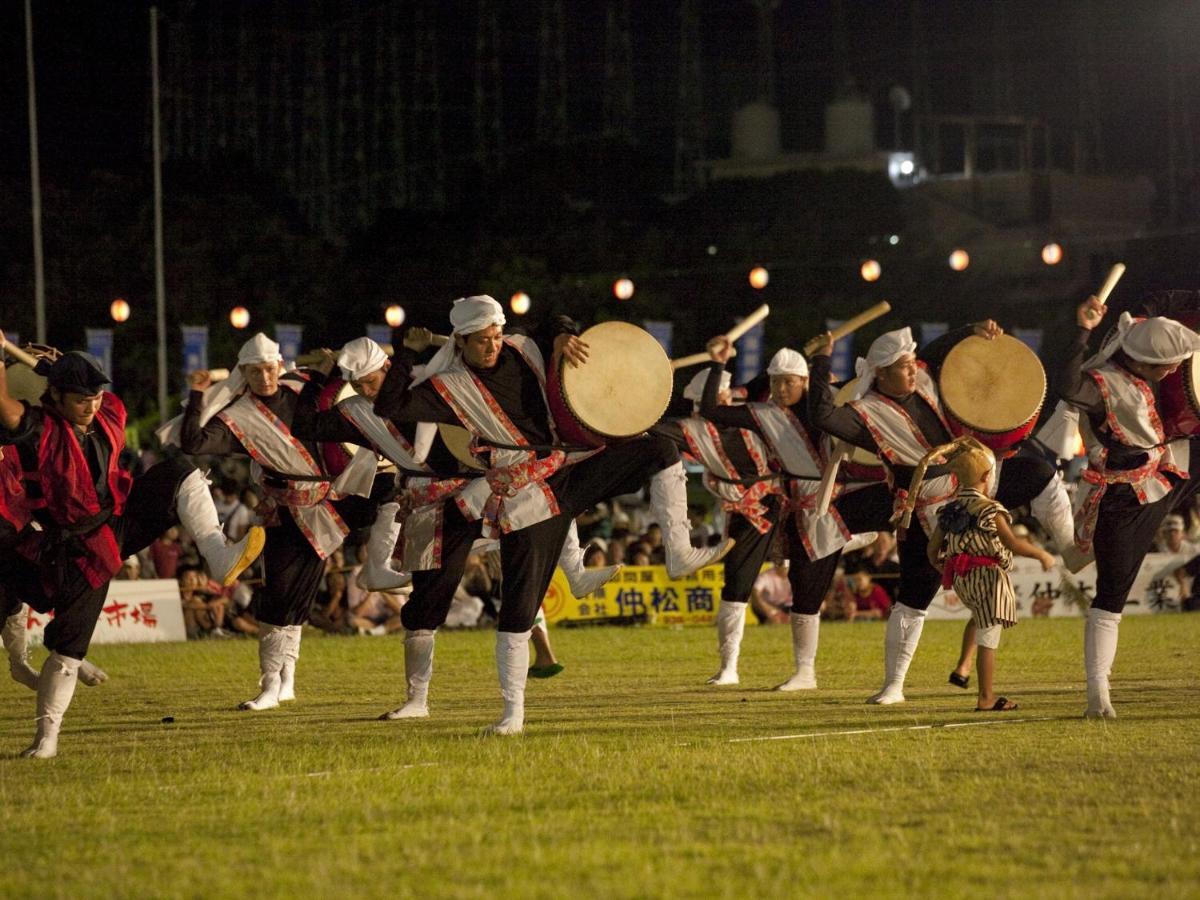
(640, 594)
(136, 612)
(1049, 594)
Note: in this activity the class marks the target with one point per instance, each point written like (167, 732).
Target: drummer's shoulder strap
(1130, 411)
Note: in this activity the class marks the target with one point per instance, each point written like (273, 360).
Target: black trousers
(743, 562)
(292, 570)
(1022, 477)
(149, 511)
(1125, 532)
(528, 556)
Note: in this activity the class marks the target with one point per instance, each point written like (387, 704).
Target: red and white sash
(704, 442)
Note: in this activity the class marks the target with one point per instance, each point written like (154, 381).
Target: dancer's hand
(571, 348)
(1089, 313)
(417, 339)
(720, 349)
(200, 380)
(988, 329)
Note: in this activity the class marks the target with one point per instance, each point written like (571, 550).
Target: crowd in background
(617, 532)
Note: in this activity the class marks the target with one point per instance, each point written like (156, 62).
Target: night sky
(93, 82)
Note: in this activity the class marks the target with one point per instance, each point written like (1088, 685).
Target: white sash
(901, 443)
(269, 441)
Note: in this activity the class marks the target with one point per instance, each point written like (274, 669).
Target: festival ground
(633, 778)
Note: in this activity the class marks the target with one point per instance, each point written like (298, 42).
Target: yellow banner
(640, 594)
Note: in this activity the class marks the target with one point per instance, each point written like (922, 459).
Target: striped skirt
(987, 592)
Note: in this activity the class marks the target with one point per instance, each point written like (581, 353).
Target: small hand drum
(24, 383)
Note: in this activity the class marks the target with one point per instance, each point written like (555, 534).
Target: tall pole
(39, 278)
(160, 290)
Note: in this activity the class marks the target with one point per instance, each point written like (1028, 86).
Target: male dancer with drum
(1136, 474)
(898, 414)
(799, 452)
(306, 510)
(91, 514)
(494, 385)
(364, 366)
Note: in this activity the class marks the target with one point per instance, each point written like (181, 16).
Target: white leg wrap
(418, 673)
(16, 645)
(291, 653)
(583, 581)
(56, 686)
(668, 503)
(731, 624)
(198, 515)
(512, 665)
(903, 634)
(1099, 651)
(806, 634)
(91, 674)
(272, 652)
(380, 572)
(1052, 507)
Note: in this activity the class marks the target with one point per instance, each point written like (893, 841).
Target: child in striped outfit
(973, 545)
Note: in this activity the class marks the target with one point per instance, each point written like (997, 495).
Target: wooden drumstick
(20, 355)
(731, 335)
(215, 375)
(1114, 275)
(850, 326)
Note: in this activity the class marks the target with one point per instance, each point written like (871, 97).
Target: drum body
(335, 456)
(24, 383)
(992, 390)
(622, 389)
(1179, 392)
(862, 465)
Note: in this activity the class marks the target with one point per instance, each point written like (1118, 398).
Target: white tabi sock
(668, 504)
(903, 634)
(287, 671)
(512, 665)
(380, 572)
(1099, 651)
(583, 581)
(806, 633)
(56, 687)
(272, 651)
(731, 624)
(418, 673)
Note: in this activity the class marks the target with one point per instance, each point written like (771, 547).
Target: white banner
(1058, 593)
(136, 612)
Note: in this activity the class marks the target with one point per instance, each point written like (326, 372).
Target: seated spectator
(771, 597)
(371, 612)
(204, 605)
(165, 554)
(881, 561)
(870, 600)
(131, 569)
(595, 557)
(840, 602)
(330, 612)
(238, 616)
(638, 554)
(1171, 538)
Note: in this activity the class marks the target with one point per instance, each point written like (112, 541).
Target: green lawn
(630, 781)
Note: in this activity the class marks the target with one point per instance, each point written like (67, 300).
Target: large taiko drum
(622, 389)
(24, 383)
(863, 465)
(337, 456)
(992, 390)
(458, 441)
(1179, 392)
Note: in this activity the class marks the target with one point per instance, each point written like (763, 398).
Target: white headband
(885, 350)
(360, 357)
(259, 349)
(1157, 341)
(788, 362)
(467, 316)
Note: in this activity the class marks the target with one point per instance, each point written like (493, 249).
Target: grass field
(633, 779)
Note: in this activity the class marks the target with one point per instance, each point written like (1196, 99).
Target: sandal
(546, 671)
(1002, 704)
(959, 680)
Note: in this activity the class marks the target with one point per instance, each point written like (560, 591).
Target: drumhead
(625, 385)
(993, 386)
(844, 395)
(458, 441)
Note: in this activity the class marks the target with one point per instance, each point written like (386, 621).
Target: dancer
(493, 385)
(91, 514)
(972, 544)
(898, 415)
(1135, 475)
(306, 510)
(799, 452)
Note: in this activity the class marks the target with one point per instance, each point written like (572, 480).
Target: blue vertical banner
(100, 345)
(842, 361)
(195, 349)
(931, 331)
(380, 334)
(289, 337)
(750, 354)
(1030, 337)
(661, 331)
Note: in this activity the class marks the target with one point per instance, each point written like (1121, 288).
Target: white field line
(817, 734)
(423, 765)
